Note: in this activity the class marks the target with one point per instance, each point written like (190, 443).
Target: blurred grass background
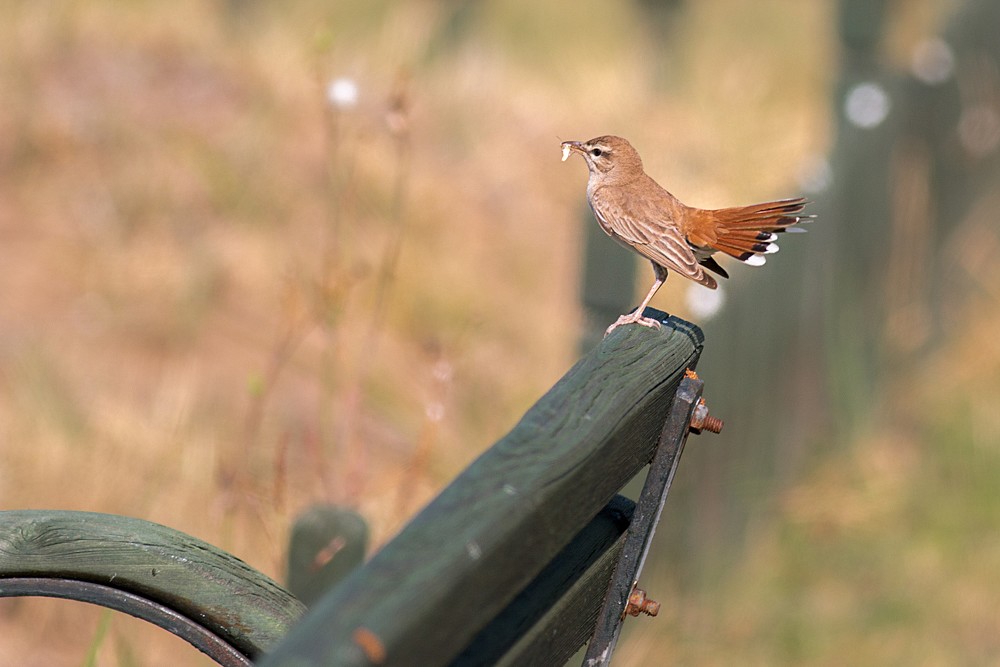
(224, 298)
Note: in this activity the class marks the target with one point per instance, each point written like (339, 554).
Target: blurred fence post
(805, 346)
(808, 315)
(607, 287)
(662, 19)
(326, 544)
(867, 123)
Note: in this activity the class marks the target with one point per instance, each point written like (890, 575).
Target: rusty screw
(638, 603)
(702, 421)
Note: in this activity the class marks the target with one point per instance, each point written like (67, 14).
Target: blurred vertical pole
(661, 20)
(867, 106)
(608, 280)
(458, 17)
(954, 127)
(794, 355)
(804, 348)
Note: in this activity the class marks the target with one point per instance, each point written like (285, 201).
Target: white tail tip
(755, 260)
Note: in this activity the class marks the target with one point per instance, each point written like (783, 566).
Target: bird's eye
(596, 152)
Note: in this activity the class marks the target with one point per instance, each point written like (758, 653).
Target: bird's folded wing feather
(647, 227)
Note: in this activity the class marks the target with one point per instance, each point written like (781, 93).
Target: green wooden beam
(203, 583)
(554, 616)
(424, 597)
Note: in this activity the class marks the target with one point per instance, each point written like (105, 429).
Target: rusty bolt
(638, 603)
(702, 421)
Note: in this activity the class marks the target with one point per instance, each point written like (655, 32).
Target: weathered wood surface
(211, 587)
(552, 618)
(426, 594)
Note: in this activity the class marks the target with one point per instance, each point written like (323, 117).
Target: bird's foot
(633, 318)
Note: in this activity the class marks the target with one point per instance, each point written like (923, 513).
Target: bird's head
(608, 156)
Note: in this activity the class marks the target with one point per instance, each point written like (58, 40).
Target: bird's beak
(570, 146)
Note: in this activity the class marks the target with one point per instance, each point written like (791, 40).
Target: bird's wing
(646, 224)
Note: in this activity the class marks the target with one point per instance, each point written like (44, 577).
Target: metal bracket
(644, 520)
(206, 641)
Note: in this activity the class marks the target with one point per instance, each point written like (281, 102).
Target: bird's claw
(633, 318)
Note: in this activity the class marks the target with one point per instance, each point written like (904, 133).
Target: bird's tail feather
(748, 233)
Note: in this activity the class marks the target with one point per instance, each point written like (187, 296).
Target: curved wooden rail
(208, 597)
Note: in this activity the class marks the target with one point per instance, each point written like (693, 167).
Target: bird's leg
(635, 317)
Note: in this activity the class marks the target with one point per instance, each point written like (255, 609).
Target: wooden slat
(426, 594)
(552, 618)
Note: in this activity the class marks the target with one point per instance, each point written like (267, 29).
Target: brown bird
(637, 213)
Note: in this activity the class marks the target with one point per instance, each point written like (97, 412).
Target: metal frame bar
(203, 639)
(647, 514)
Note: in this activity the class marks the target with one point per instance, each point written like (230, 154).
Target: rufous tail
(748, 233)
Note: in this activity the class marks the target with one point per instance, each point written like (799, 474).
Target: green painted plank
(209, 586)
(554, 616)
(426, 594)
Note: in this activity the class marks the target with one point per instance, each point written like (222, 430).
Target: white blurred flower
(342, 93)
(815, 175)
(705, 303)
(979, 129)
(933, 61)
(434, 411)
(867, 105)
